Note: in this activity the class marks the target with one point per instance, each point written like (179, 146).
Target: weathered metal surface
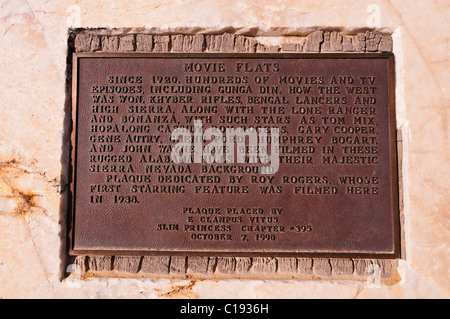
(334, 191)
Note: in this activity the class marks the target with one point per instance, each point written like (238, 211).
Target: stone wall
(317, 41)
(236, 267)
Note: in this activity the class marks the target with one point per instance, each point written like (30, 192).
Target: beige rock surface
(34, 120)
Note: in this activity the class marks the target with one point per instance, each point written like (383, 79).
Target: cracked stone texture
(101, 263)
(187, 43)
(161, 43)
(127, 264)
(178, 265)
(144, 42)
(200, 265)
(127, 43)
(34, 145)
(110, 43)
(85, 42)
(155, 265)
(313, 41)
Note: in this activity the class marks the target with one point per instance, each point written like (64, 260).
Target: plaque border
(396, 253)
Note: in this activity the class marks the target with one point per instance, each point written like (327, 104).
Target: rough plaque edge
(215, 266)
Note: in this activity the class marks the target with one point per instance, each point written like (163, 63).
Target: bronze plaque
(234, 154)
